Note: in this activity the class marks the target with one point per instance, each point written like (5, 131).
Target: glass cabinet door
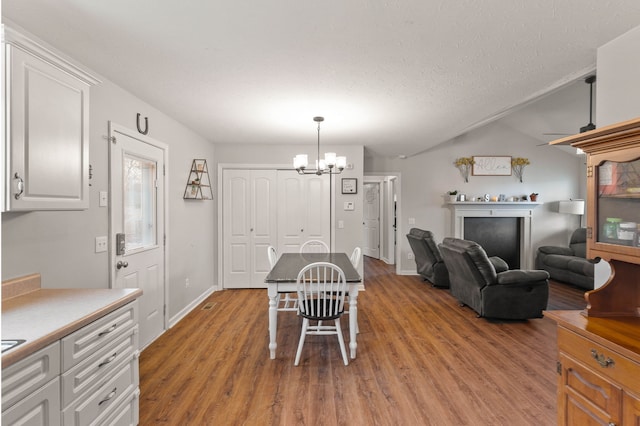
(618, 203)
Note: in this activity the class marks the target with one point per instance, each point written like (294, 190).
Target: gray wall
(553, 173)
(618, 87)
(60, 245)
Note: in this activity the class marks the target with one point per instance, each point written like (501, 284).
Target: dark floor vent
(208, 306)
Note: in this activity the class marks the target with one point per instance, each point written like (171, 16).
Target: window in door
(139, 203)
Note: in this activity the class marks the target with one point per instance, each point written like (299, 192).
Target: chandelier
(329, 165)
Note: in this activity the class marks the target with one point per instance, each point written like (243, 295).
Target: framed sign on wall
(349, 185)
(491, 166)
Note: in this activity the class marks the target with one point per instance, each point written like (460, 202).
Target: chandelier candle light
(331, 164)
(518, 164)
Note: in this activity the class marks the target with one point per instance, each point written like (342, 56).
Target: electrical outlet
(101, 244)
(410, 256)
(186, 282)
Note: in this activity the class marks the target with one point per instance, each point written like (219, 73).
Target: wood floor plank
(422, 359)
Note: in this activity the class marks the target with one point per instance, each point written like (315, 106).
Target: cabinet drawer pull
(107, 331)
(604, 362)
(108, 360)
(109, 397)
(19, 186)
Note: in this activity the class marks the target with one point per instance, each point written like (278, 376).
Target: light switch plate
(103, 199)
(349, 205)
(101, 244)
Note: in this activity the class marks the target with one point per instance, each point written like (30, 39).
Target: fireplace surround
(523, 210)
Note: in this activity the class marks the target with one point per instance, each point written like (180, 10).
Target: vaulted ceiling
(395, 76)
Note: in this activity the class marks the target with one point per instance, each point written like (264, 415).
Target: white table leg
(273, 319)
(353, 318)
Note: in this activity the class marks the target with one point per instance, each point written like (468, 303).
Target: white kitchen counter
(42, 316)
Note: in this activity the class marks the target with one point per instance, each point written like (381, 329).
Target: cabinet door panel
(42, 407)
(48, 136)
(587, 397)
(631, 410)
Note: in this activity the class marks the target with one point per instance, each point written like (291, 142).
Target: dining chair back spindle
(314, 246)
(272, 254)
(321, 296)
(356, 255)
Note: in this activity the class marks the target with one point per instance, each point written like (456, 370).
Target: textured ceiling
(395, 76)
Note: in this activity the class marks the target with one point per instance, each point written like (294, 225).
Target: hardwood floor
(422, 359)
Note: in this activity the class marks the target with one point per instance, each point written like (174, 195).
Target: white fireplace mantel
(523, 209)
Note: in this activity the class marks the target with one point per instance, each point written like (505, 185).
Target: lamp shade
(571, 207)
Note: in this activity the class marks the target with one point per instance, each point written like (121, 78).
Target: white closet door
(303, 209)
(249, 223)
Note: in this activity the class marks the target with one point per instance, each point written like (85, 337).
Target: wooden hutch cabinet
(599, 348)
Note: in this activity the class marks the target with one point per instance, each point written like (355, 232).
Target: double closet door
(268, 207)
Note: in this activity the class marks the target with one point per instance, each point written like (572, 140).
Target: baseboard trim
(190, 307)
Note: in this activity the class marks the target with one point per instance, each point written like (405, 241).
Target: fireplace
(502, 229)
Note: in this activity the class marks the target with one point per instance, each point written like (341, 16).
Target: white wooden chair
(321, 292)
(356, 255)
(314, 246)
(289, 303)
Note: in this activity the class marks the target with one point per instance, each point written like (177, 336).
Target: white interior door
(371, 220)
(249, 223)
(303, 210)
(137, 212)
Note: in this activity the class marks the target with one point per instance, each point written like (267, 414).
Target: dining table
(283, 279)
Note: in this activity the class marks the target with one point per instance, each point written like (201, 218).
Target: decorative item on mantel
(533, 197)
(453, 195)
(464, 164)
(518, 164)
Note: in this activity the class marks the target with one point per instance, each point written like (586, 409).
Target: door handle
(121, 264)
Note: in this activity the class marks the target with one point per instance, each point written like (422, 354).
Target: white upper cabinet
(46, 128)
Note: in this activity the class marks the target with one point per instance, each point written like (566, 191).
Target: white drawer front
(99, 366)
(27, 375)
(42, 407)
(127, 413)
(96, 405)
(89, 339)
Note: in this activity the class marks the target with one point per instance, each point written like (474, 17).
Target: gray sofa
(568, 264)
(429, 263)
(487, 285)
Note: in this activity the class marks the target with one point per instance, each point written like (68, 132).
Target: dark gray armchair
(429, 263)
(568, 264)
(487, 285)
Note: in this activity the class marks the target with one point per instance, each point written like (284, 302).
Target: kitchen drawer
(600, 359)
(127, 413)
(42, 407)
(99, 403)
(99, 365)
(29, 374)
(89, 339)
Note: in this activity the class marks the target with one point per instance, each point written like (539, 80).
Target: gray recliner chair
(568, 264)
(429, 263)
(487, 285)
